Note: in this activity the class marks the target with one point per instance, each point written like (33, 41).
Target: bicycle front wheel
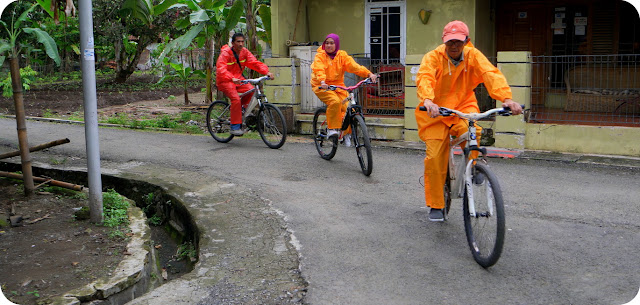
(326, 146)
(272, 126)
(219, 121)
(485, 231)
(363, 144)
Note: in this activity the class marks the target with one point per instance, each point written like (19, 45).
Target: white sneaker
(237, 132)
(347, 140)
(332, 133)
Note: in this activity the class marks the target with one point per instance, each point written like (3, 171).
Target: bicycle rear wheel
(362, 143)
(272, 126)
(219, 121)
(485, 231)
(326, 146)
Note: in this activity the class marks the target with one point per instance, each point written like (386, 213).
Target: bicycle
(354, 117)
(269, 121)
(483, 205)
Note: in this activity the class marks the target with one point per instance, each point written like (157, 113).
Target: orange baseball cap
(455, 30)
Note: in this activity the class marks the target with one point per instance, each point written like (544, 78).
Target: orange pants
(436, 162)
(231, 90)
(336, 109)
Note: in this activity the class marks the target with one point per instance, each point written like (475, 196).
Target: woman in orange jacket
(328, 68)
(446, 78)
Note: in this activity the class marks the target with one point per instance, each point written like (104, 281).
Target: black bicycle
(268, 121)
(327, 146)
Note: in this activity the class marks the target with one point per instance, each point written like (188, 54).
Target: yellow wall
(284, 25)
(342, 17)
(604, 140)
(422, 38)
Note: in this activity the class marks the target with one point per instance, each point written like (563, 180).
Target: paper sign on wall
(580, 30)
(580, 20)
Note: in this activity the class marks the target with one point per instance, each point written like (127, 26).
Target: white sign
(580, 20)
(580, 30)
(89, 54)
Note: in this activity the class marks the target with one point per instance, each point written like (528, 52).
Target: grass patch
(115, 208)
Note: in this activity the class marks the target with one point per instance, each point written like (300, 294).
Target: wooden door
(524, 26)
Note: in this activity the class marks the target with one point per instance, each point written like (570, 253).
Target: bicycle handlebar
(364, 81)
(255, 81)
(504, 111)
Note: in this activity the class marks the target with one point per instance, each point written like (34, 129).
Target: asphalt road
(573, 229)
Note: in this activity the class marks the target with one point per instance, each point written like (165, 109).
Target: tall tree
(11, 48)
(209, 24)
(131, 26)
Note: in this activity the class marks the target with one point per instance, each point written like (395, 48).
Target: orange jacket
(332, 71)
(452, 87)
(227, 67)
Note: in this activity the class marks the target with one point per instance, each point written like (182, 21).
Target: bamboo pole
(23, 143)
(62, 184)
(35, 148)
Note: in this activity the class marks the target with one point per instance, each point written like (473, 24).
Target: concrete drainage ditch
(146, 267)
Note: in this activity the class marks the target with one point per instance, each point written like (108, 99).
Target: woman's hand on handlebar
(431, 108)
(324, 85)
(373, 77)
(515, 107)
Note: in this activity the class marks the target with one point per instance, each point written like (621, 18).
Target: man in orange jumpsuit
(229, 69)
(446, 78)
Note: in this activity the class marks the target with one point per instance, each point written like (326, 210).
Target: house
(574, 63)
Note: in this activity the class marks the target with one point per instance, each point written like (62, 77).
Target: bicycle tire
(326, 147)
(272, 126)
(447, 196)
(219, 121)
(363, 144)
(485, 232)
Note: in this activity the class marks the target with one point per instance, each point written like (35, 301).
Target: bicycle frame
(257, 99)
(462, 174)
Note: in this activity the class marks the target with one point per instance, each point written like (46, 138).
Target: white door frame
(403, 24)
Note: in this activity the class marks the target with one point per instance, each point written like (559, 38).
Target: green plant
(171, 98)
(115, 233)
(183, 73)
(186, 251)
(115, 209)
(27, 75)
(58, 161)
(34, 293)
(155, 220)
(47, 113)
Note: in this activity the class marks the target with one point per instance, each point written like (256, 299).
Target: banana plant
(183, 73)
(11, 48)
(209, 24)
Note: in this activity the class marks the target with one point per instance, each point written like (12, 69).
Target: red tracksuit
(227, 69)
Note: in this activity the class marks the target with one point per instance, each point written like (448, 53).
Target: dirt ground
(63, 101)
(58, 253)
(50, 252)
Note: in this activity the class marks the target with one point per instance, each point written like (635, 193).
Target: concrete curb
(133, 276)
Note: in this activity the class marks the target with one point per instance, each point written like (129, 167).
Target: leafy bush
(27, 75)
(115, 208)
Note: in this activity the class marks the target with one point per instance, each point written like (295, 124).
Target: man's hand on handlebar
(236, 81)
(431, 108)
(515, 107)
(270, 75)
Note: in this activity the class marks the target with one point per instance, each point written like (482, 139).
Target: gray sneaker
(436, 215)
(237, 132)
